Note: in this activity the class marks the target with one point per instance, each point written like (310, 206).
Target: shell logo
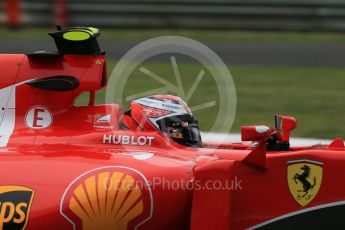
(108, 198)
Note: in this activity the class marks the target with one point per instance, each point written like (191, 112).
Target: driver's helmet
(164, 113)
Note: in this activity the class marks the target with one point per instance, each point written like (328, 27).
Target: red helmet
(164, 113)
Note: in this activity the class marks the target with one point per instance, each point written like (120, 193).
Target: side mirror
(285, 124)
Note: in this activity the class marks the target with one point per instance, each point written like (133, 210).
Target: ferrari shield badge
(304, 179)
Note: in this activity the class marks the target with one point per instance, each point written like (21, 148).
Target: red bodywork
(71, 167)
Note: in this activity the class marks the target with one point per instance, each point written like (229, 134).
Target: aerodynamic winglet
(56, 83)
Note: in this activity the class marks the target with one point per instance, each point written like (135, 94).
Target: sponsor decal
(112, 197)
(163, 105)
(38, 117)
(150, 112)
(184, 124)
(103, 127)
(173, 107)
(15, 204)
(127, 139)
(102, 121)
(147, 102)
(304, 179)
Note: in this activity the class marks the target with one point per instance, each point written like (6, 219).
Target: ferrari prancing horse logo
(304, 180)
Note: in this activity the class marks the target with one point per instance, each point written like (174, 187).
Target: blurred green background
(314, 96)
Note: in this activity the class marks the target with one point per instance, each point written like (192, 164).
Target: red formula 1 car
(69, 167)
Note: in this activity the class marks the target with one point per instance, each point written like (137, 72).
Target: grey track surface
(261, 54)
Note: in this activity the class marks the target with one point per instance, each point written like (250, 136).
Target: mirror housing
(285, 124)
(256, 133)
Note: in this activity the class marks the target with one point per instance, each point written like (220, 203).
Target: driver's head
(164, 113)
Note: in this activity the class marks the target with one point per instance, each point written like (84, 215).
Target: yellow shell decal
(109, 198)
(304, 180)
(76, 35)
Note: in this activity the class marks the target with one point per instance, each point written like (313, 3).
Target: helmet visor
(183, 129)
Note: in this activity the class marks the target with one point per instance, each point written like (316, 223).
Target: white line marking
(7, 125)
(203, 106)
(195, 85)
(305, 160)
(158, 78)
(234, 137)
(162, 90)
(177, 74)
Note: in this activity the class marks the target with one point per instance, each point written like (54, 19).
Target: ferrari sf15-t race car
(71, 167)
